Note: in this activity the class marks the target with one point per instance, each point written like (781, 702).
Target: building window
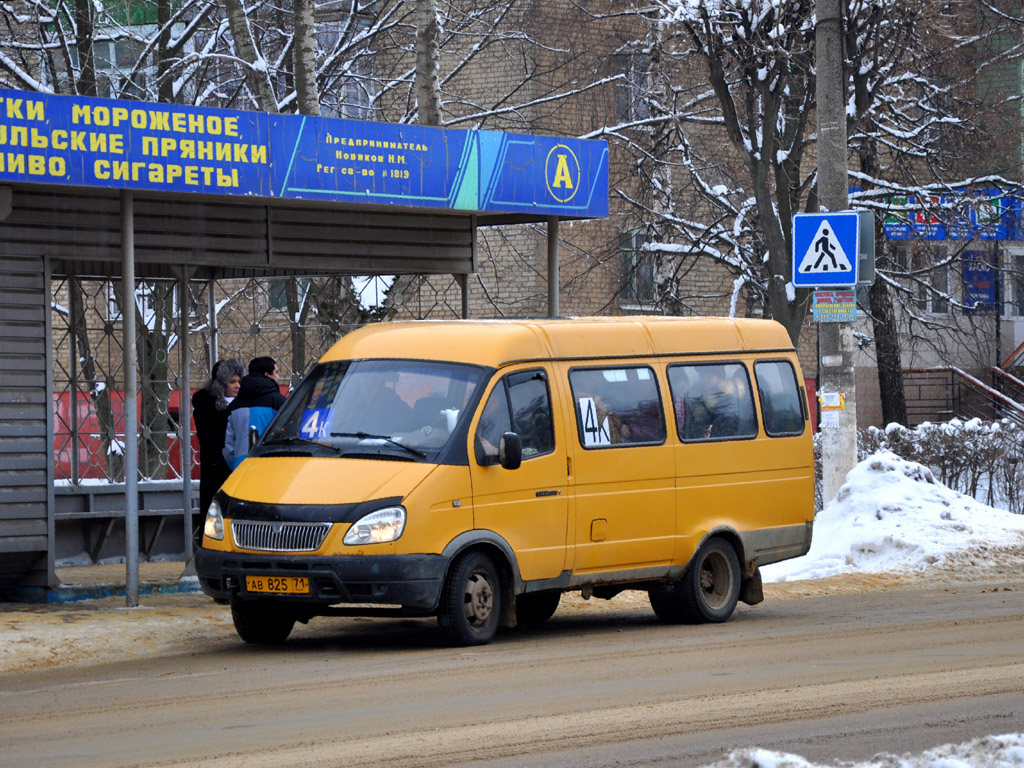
(928, 276)
(117, 74)
(637, 270)
(155, 300)
(348, 91)
(631, 99)
(277, 290)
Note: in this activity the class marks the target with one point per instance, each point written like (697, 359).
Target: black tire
(708, 591)
(471, 601)
(536, 607)
(666, 603)
(261, 623)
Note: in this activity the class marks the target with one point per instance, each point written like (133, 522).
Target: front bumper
(410, 581)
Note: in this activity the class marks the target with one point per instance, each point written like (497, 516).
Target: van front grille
(279, 537)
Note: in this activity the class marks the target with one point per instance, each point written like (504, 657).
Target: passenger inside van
(717, 402)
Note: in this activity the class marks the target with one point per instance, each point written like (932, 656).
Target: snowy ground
(892, 516)
(1005, 751)
(891, 524)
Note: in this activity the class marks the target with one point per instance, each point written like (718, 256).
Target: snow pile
(892, 515)
(1005, 751)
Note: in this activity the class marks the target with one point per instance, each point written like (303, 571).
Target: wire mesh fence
(294, 320)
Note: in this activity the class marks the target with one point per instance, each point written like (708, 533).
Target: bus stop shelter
(132, 191)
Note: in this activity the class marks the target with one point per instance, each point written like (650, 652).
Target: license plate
(278, 585)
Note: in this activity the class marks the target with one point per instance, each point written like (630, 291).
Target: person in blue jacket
(251, 411)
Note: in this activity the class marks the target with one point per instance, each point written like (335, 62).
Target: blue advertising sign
(88, 142)
(826, 247)
(979, 276)
(980, 215)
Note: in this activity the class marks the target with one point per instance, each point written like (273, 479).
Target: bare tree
(739, 108)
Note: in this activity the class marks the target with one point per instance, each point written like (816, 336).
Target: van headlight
(214, 526)
(377, 527)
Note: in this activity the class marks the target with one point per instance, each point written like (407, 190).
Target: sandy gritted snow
(891, 520)
(893, 516)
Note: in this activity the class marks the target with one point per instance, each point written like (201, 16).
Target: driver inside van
(392, 412)
(493, 424)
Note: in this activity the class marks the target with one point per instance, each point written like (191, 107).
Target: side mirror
(510, 452)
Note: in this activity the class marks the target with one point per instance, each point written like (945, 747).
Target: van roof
(499, 342)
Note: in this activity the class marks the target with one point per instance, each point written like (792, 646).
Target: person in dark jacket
(210, 413)
(258, 400)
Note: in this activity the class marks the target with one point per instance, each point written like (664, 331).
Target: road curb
(69, 593)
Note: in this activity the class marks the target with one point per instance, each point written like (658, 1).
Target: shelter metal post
(73, 313)
(553, 277)
(131, 412)
(185, 411)
(211, 318)
(464, 287)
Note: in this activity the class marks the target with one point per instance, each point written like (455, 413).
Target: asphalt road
(842, 676)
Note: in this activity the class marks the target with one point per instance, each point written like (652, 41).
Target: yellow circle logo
(562, 173)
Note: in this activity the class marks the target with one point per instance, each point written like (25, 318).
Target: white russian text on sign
(839, 306)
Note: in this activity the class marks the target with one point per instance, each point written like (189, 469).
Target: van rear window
(780, 398)
(617, 406)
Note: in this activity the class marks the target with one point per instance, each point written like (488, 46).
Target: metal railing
(944, 393)
(1008, 384)
(1015, 359)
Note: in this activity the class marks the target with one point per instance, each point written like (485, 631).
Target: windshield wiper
(386, 438)
(292, 440)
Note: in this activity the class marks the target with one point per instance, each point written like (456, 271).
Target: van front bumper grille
(279, 537)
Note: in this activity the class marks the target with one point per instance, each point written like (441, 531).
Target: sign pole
(837, 377)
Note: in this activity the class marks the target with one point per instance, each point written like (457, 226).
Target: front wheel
(471, 601)
(708, 591)
(261, 623)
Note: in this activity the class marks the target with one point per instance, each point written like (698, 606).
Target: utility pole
(838, 442)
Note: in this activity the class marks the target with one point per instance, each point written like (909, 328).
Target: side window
(617, 406)
(712, 401)
(520, 403)
(780, 398)
(531, 412)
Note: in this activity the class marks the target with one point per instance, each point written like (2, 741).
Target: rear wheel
(708, 591)
(262, 623)
(536, 607)
(471, 601)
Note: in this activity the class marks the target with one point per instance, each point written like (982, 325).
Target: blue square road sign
(825, 249)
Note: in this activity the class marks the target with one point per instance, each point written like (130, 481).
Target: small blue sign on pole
(825, 249)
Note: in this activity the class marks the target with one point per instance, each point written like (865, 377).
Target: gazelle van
(476, 470)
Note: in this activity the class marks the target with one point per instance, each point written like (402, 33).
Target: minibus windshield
(394, 409)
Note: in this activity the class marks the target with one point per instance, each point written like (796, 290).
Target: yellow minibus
(476, 470)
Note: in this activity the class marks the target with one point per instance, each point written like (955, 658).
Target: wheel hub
(479, 599)
(715, 580)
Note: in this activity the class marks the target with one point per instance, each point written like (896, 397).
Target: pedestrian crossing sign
(825, 249)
